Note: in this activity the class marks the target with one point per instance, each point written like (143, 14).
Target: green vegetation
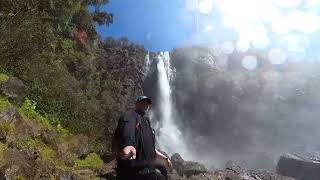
(70, 85)
(47, 153)
(19, 178)
(4, 104)
(91, 161)
(52, 55)
(3, 147)
(3, 78)
(7, 128)
(32, 144)
(27, 110)
(53, 47)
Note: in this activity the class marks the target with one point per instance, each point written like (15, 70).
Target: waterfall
(170, 137)
(147, 64)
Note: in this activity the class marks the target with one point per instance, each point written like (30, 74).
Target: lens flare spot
(249, 62)
(205, 6)
(208, 28)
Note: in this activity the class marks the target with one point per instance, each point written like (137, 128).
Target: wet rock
(49, 137)
(10, 115)
(109, 167)
(11, 171)
(44, 169)
(27, 128)
(203, 176)
(83, 174)
(77, 144)
(177, 163)
(18, 163)
(238, 173)
(175, 176)
(14, 89)
(65, 176)
(232, 164)
(107, 156)
(187, 168)
(301, 167)
(193, 168)
(3, 137)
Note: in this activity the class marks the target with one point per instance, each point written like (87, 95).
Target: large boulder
(193, 168)
(10, 115)
(14, 89)
(177, 163)
(78, 145)
(235, 172)
(302, 167)
(18, 163)
(187, 168)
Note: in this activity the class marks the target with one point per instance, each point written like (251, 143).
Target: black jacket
(135, 130)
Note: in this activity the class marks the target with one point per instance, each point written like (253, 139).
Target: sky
(282, 27)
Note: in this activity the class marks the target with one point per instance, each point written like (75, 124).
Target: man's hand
(169, 163)
(162, 160)
(129, 153)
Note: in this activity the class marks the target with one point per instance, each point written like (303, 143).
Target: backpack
(116, 146)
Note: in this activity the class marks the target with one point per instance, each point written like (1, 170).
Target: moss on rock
(3, 78)
(92, 161)
(38, 148)
(7, 131)
(3, 147)
(4, 104)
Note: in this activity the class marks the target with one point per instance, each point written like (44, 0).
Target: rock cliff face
(218, 106)
(229, 113)
(32, 148)
(124, 65)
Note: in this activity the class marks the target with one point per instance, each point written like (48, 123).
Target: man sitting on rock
(136, 155)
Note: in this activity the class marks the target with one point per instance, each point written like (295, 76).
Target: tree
(103, 18)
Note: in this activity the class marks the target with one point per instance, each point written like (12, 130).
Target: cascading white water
(170, 138)
(147, 64)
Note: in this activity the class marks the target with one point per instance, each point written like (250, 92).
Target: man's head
(143, 104)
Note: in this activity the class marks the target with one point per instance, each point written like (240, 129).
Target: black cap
(143, 98)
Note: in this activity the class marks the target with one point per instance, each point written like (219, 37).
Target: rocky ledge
(188, 170)
(194, 171)
(300, 166)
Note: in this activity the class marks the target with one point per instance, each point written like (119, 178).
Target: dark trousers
(151, 176)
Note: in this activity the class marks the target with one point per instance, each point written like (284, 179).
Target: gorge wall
(227, 113)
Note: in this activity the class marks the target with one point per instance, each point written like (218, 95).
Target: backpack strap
(138, 119)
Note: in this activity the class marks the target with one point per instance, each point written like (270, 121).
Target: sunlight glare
(250, 62)
(205, 6)
(256, 22)
(277, 56)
